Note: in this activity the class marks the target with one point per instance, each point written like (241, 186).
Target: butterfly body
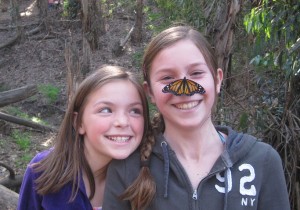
(183, 87)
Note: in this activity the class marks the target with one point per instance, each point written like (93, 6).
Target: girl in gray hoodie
(188, 162)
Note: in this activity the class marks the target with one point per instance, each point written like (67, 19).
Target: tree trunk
(8, 199)
(86, 63)
(90, 23)
(23, 122)
(43, 9)
(16, 95)
(15, 15)
(221, 29)
(138, 29)
(74, 76)
(101, 18)
(43, 13)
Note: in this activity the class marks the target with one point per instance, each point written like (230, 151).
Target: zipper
(195, 194)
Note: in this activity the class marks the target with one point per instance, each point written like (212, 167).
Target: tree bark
(118, 47)
(74, 76)
(221, 29)
(138, 29)
(101, 18)
(8, 199)
(90, 24)
(11, 41)
(23, 122)
(86, 62)
(13, 181)
(15, 15)
(16, 95)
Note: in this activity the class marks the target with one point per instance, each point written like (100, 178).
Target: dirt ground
(39, 59)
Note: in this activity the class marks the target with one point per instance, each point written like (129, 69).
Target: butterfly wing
(183, 87)
(193, 87)
(174, 87)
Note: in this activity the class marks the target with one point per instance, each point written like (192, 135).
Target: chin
(121, 156)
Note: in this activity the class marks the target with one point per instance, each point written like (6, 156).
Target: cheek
(159, 96)
(138, 126)
(97, 128)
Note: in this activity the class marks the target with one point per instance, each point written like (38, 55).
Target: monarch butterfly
(183, 87)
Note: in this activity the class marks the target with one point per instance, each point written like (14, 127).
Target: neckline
(222, 138)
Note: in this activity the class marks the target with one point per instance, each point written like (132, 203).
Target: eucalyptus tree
(275, 26)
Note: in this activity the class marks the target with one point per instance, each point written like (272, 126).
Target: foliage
(110, 7)
(24, 159)
(153, 20)
(16, 112)
(187, 11)
(22, 139)
(137, 58)
(276, 25)
(71, 8)
(50, 92)
(19, 113)
(3, 87)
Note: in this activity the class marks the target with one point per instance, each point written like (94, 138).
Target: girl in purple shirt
(106, 119)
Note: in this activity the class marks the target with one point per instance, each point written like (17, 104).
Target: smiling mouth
(185, 106)
(119, 139)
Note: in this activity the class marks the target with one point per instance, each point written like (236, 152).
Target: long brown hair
(66, 161)
(142, 191)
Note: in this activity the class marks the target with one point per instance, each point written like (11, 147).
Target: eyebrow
(162, 70)
(197, 64)
(110, 103)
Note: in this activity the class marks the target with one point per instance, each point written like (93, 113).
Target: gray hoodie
(247, 176)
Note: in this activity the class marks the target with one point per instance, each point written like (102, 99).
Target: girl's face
(182, 59)
(112, 122)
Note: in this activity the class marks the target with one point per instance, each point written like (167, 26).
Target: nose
(121, 120)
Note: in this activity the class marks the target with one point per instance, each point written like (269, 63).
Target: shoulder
(243, 145)
(132, 160)
(40, 156)
(269, 151)
(125, 169)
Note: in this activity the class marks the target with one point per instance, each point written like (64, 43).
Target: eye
(167, 78)
(136, 111)
(105, 110)
(198, 72)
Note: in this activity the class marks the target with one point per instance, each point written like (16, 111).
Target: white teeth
(187, 105)
(119, 138)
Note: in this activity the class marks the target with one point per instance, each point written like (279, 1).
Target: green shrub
(50, 92)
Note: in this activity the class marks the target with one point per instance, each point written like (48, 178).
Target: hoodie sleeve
(273, 193)
(115, 185)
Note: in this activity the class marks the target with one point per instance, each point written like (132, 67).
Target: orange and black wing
(183, 87)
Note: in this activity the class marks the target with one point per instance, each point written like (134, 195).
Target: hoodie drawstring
(227, 176)
(166, 166)
(226, 189)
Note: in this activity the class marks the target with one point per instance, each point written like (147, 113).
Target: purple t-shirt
(30, 200)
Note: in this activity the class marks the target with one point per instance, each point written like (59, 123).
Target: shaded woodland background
(47, 48)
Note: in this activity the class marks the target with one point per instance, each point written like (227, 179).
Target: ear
(81, 129)
(148, 91)
(219, 80)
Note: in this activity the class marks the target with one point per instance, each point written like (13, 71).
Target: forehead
(183, 52)
(116, 90)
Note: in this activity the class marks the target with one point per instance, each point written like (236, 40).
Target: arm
(273, 193)
(115, 185)
(28, 198)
